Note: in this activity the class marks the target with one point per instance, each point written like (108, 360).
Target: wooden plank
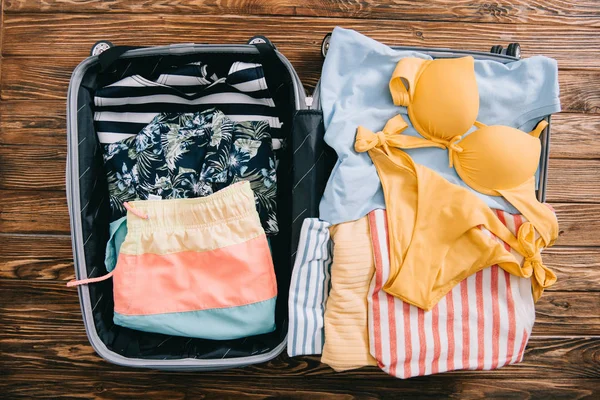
(40, 123)
(578, 224)
(28, 346)
(1, 24)
(577, 268)
(24, 211)
(51, 257)
(59, 35)
(579, 96)
(552, 12)
(572, 180)
(30, 79)
(560, 314)
(32, 167)
(574, 135)
(76, 383)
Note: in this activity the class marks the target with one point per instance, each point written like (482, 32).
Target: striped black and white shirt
(124, 108)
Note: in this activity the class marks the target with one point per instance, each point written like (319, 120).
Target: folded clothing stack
(433, 259)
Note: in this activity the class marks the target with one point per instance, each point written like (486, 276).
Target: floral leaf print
(175, 144)
(251, 159)
(126, 179)
(182, 176)
(262, 132)
(247, 146)
(186, 121)
(238, 158)
(147, 162)
(255, 130)
(205, 118)
(269, 177)
(118, 196)
(183, 170)
(222, 128)
(217, 161)
(197, 187)
(220, 162)
(265, 198)
(216, 136)
(164, 159)
(162, 186)
(113, 149)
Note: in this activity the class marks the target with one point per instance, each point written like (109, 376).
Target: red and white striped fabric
(482, 323)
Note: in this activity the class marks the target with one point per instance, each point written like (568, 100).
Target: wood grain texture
(577, 268)
(580, 96)
(575, 136)
(118, 385)
(506, 11)
(29, 78)
(23, 211)
(59, 35)
(572, 181)
(41, 123)
(26, 78)
(579, 224)
(32, 167)
(58, 340)
(561, 314)
(51, 304)
(49, 258)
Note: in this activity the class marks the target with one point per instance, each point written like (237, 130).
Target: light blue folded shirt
(354, 91)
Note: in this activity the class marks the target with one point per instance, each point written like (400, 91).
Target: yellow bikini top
(442, 100)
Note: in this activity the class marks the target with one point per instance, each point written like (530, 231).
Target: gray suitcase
(301, 172)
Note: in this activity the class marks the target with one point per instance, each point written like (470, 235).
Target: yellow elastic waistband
(233, 202)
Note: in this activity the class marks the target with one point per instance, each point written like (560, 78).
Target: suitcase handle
(109, 56)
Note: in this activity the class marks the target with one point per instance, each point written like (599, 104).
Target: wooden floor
(44, 351)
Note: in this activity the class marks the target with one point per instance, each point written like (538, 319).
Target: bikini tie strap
(367, 139)
(533, 265)
(539, 128)
(453, 148)
(381, 139)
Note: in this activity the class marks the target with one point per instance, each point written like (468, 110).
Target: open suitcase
(304, 165)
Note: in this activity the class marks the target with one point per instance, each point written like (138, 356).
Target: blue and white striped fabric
(309, 289)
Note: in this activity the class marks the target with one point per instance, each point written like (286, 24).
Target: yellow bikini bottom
(435, 240)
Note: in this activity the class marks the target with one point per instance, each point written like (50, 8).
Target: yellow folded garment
(346, 332)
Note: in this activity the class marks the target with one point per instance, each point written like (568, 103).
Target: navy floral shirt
(193, 155)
